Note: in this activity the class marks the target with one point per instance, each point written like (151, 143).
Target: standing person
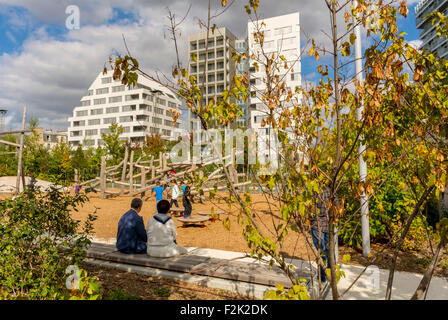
(174, 193)
(77, 188)
(186, 201)
(158, 192)
(319, 228)
(131, 235)
(161, 232)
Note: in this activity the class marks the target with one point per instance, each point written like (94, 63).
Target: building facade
(50, 139)
(428, 33)
(141, 110)
(281, 38)
(242, 69)
(215, 60)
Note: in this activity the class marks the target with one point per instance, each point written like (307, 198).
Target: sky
(48, 66)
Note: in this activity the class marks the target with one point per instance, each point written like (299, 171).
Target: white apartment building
(141, 110)
(215, 59)
(281, 37)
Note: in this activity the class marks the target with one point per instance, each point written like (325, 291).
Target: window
(220, 77)
(130, 97)
(129, 108)
(94, 122)
(286, 42)
(81, 123)
(172, 105)
(194, 69)
(211, 90)
(115, 99)
(154, 130)
(193, 46)
(220, 65)
(219, 54)
(169, 123)
(75, 133)
(142, 118)
(99, 101)
(96, 112)
(85, 103)
(106, 80)
(211, 43)
(89, 142)
(211, 78)
(210, 55)
(219, 42)
(147, 97)
(112, 109)
(92, 132)
(118, 88)
(156, 120)
(220, 88)
(126, 119)
(109, 120)
(284, 30)
(211, 66)
(102, 91)
(202, 45)
(295, 76)
(90, 93)
(158, 110)
(82, 113)
(161, 101)
(139, 129)
(126, 129)
(202, 56)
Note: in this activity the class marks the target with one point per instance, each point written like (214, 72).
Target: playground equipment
(156, 172)
(19, 145)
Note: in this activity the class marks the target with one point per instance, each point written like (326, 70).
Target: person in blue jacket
(131, 235)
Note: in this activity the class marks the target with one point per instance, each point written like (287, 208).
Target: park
(284, 186)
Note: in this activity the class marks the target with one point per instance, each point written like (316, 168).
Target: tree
(319, 132)
(113, 146)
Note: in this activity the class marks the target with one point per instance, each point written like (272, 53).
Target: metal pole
(20, 173)
(362, 148)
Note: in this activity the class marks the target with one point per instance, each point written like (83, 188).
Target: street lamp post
(362, 148)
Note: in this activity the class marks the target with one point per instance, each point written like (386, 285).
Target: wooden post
(131, 174)
(123, 172)
(153, 170)
(76, 176)
(20, 173)
(103, 177)
(143, 180)
(160, 160)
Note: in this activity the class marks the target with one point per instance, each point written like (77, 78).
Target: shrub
(39, 241)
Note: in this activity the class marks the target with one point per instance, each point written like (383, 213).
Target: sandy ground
(215, 236)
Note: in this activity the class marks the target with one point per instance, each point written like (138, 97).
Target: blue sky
(48, 67)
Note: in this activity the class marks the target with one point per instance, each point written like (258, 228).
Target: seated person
(131, 235)
(162, 234)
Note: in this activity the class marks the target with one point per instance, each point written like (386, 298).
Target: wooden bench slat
(251, 272)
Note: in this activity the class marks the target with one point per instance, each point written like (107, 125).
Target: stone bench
(251, 272)
(193, 220)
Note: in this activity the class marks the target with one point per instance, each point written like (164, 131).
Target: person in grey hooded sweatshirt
(161, 232)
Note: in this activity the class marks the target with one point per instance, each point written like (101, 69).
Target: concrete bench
(250, 272)
(210, 216)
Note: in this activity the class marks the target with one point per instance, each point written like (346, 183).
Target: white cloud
(50, 75)
(415, 43)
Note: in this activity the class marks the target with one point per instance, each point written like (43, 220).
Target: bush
(39, 241)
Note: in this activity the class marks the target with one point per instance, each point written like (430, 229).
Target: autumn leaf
(223, 3)
(403, 9)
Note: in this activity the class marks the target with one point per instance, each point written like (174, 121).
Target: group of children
(161, 190)
(159, 238)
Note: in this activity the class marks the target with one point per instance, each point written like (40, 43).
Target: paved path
(371, 285)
